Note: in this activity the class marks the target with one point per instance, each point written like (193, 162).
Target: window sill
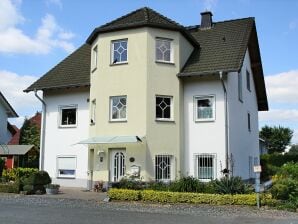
(72, 177)
(204, 120)
(165, 62)
(118, 121)
(120, 63)
(68, 126)
(94, 69)
(165, 120)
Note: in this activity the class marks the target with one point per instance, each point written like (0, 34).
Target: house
(148, 97)
(6, 129)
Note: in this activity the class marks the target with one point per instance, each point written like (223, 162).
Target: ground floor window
(66, 166)
(163, 167)
(205, 166)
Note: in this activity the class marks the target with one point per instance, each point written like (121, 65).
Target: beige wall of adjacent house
(141, 79)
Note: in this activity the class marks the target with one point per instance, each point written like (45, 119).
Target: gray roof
(222, 48)
(73, 71)
(16, 149)
(8, 108)
(140, 18)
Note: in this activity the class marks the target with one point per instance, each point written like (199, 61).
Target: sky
(35, 35)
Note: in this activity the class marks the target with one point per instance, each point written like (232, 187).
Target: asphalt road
(37, 211)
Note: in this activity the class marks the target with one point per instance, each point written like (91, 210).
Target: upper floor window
(240, 94)
(164, 107)
(163, 49)
(119, 51)
(248, 122)
(248, 80)
(118, 108)
(93, 112)
(68, 116)
(204, 108)
(95, 58)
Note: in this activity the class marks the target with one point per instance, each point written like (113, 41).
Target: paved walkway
(77, 193)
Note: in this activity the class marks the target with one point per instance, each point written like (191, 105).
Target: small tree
(294, 149)
(276, 138)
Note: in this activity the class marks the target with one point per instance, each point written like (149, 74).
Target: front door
(117, 161)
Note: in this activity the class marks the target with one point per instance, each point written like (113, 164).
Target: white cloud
(55, 2)
(209, 4)
(282, 88)
(280, 115)
(48, 36)
(295, 137)
(12, 86)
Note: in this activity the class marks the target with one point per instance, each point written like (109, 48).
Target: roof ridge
(166, 18)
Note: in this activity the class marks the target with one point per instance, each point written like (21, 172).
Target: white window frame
(196, 158)
(240, 87)
(171, 108)
(111, 110)
(61, 108)
(172, 167)
(93, 112)
(171, 61)
(248, 83)
(61, 176)
(94, 58)
(196, 98)
(112, 52)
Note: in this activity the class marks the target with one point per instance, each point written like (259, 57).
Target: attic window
(163, 50)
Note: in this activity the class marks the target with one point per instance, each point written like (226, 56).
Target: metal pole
(258, 188)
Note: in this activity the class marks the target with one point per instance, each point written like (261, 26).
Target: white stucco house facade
(149, 97)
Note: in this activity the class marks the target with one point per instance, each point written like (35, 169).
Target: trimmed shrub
(124, 195)
(18, 173)
(10, 187)
(195, 198)
(229, 185)
(29, 189)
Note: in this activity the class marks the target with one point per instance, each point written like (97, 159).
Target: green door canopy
(111, 140)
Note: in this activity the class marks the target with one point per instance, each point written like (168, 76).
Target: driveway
(17, 209)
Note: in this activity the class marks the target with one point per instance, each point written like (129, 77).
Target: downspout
(43, 128)
(226, 123)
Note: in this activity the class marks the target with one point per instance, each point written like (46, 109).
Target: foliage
(187, 184)
(2, 164)
(182, 197)
(29, 135)
(294, 150)
(289, 170)
(29, 189)
(276, 138)
(285, 189)
(10, 187)
(229, 185)
(126, 183)
(18, 173)
(53, 186)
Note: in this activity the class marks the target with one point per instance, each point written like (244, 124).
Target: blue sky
(36, 35)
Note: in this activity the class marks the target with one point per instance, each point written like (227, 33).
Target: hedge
(10, 187)
(194, 198)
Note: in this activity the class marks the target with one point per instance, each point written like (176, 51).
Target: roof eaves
(57, 87)
(12, 113)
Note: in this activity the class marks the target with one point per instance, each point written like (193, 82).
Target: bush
(124, 195)
(229, 185)
(285, 189)
(289, 170)
(37, 180)
(187, 184)
(125, 183)
(11, 187)
(18, 173)
(29, 189)
(180, 197)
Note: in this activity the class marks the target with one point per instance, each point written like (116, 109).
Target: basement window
(163, 167)
(205, 167)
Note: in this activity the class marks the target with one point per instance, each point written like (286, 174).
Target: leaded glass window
(118, 108)
(163, 166)
(164, 107)
(163, 50)
(119, 51)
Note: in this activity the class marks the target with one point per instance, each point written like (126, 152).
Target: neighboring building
(6, 129)
(262, 146)
(155, 99)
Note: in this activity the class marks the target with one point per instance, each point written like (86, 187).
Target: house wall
(243, 143)
(205, 136)
(62, 141)
(141, 79)
(4, 133)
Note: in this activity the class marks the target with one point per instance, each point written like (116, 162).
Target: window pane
(158, 100)
(167, 112)
(123, 112)
(124, 55)
(115, 113)
(123, 100)
(205, 108)
(116, 45)
(68, 116)
(124, 44)
(116, 57)
(158, 112)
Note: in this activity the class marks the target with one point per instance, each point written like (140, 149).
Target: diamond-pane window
(118, 108)
(163, 166)
(119, 51)
(163, 50)
(163, 107)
